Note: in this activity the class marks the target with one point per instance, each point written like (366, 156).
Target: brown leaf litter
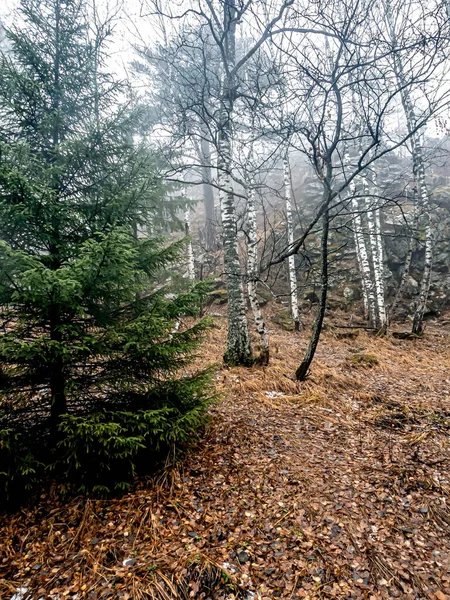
(333, 488)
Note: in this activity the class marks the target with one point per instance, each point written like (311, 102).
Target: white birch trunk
(419, 176)
(361, 254)
(379, 273)
(364, 293)
(238, 344)
(238, 350)
(253, 276)
(290, 235)
(190, 251)
(373, 227)
(364, 263)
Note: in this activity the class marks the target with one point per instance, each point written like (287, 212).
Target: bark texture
(419, 176)
(253, 276)
(239, 350)
(290, 235)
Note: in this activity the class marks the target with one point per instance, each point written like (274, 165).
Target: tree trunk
(253, 277)
(407, 265)
(419, 176)
(363, 259)
(56, 366)
(208, 196)
(421, 305)
(238, 344)
(56, 371)
(373, 226)
(302, 371)
(290, 234)
(190, 252)
(239, 351)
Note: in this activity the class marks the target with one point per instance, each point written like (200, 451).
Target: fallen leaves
(337, 488)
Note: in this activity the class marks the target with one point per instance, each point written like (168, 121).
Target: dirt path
(336, 488)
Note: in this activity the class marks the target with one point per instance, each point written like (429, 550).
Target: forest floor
(337, 487)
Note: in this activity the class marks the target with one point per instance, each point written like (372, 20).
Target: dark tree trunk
(57, 378)
(302, 370)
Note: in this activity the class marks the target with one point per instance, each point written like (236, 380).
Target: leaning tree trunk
(290, 234)
(419, 176)
(253, 277)
(302, 371)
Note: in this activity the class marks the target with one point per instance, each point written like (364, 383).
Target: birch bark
(253, 276)
(362, 255)
(190, 251)
(419, 176)
(238, 343)
(376, 249)
(290, 235)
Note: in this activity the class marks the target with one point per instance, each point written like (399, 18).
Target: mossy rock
(220, 296)
(311, 297)
(405, 335)
(262, 300)
(284, 319)
(351, 334)
(264, 294)
(366, 361)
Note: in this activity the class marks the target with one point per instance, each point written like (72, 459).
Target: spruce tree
(90, 356)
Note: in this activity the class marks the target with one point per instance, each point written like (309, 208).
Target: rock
(243, 557)
(284, 319)
(129, 562)
(261, 300)
(269, 571)
(347, 335)
(192, 534)
(348, 293)
(363, 360)
(312, 297)
(220, 296)
(405, 335)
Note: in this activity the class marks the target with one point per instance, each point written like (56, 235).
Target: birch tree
(418, 170)
(292, 274)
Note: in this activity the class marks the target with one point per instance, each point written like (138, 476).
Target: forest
(224, 299)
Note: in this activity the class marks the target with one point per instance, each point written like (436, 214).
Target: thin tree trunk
(290, 234)
(364, 293)
(363, 258)
(425, 284)
(302, 371)
(57, 377)
(407, 265)
(56, 366)
(208, 196)
(373, 226)
(419, 176)
(190, 251)
(253, 277)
